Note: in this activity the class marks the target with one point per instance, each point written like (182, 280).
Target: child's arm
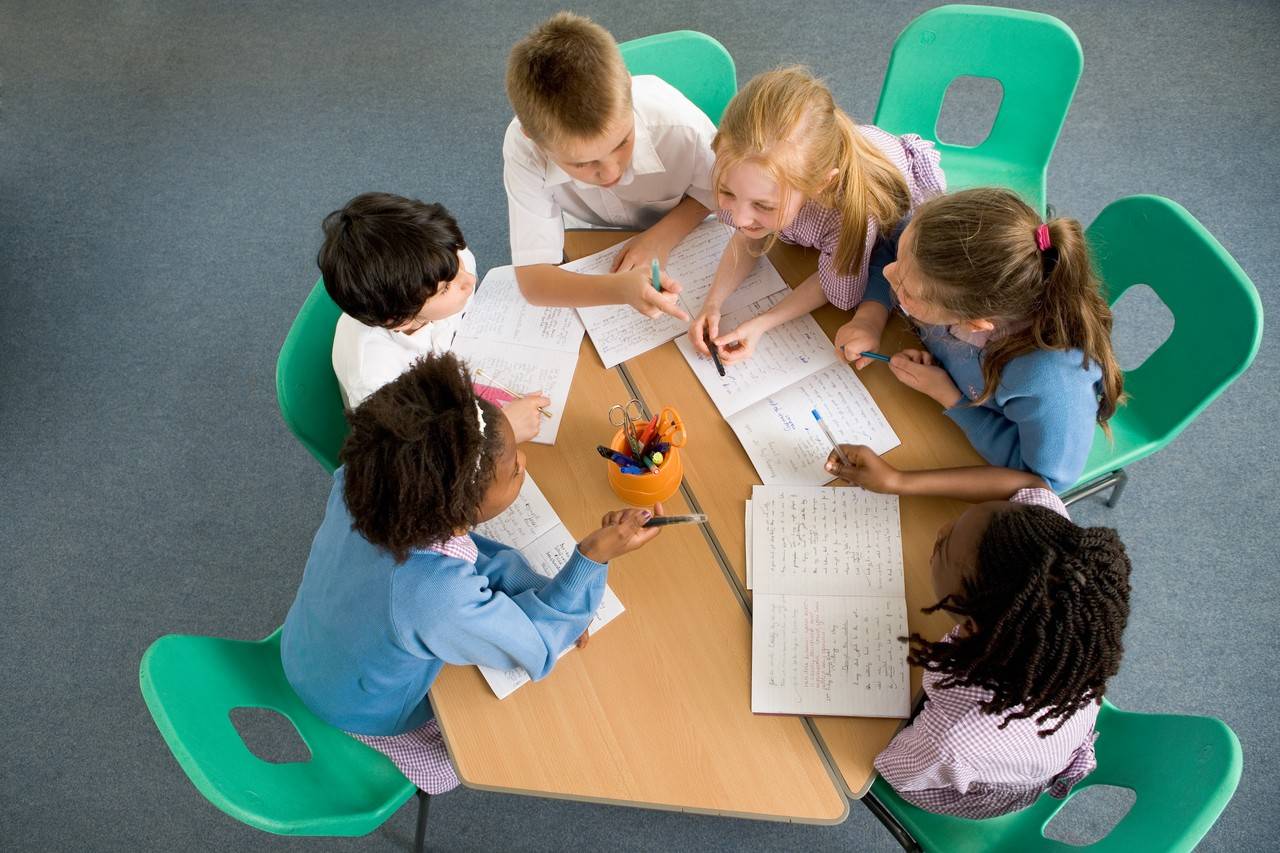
(862, 333)
(547, 284)
(806, 297)
(662, 237)
(735, 265)
(975, 484)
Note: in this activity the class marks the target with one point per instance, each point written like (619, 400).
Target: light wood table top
(655, 711)
(720, 476)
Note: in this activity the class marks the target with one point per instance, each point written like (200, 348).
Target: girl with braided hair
(1012, 692)
(397, 586)
(1017, 336)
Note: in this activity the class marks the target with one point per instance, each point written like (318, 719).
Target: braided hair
(1049, 601)
(417, 464)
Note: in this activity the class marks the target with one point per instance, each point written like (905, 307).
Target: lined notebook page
(825, 541)
(525, 369)
(829, 655)
(499, 312)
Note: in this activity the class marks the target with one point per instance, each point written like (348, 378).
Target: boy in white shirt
(403, 276)
(591, 141)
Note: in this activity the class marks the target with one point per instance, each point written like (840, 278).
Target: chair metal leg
(1115, 481)
(891, 823)
(420, 834)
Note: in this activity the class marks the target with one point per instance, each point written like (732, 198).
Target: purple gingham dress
(818, 227)
(953, 759)
(420, 754)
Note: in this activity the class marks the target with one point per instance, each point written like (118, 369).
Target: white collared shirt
(672, 159)
(367, 357)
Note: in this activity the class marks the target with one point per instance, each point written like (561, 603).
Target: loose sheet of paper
(783, 356)
(524, 369)
(531, 526)
(785, 443)
(747, 539)
(619, 332)
(829, 655)
(499, 312)
(813, 540)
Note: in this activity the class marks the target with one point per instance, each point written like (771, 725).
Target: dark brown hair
(977, 249)
(384, 256)
(1049, 602)
(417, 464)
(566, 78)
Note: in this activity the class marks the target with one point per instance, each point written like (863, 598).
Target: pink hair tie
(1042, 238)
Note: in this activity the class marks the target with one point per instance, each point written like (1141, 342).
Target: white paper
(829, 655)
(784, 356)
(499, 312)
(784, 442)
(812, 540)
(524, 369)
(748, 542)
(532, 527)
(619, 332)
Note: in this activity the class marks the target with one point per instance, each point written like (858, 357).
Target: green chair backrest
(694, 63)
(1147, 239)
(1183, 771)
(1036, 59)
(306, 387)
(191, 685)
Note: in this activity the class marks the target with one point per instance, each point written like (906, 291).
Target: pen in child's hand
(657, 276)
(831, 438)
(715, 354)
(664, 520)
(496, 384)
(878, 356)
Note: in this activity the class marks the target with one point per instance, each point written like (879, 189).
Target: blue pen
(876, 355)
(831, 438)
(631, 469)
(657, 276)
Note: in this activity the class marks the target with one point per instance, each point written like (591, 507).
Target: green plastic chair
(1182, 769)
(1154, 241)
(692, 62)
(306, 387)
(191, 685)
(1037, 61)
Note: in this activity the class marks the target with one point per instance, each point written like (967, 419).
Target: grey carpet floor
(164, 167)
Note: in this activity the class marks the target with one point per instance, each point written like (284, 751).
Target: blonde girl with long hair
(792, 166)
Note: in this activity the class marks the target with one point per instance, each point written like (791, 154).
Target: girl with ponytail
(1017, 334)
(792, 166)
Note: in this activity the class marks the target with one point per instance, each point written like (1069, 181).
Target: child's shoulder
(1041, 367)
(659, 104)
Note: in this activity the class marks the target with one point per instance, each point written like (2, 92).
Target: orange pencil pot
(649, 488)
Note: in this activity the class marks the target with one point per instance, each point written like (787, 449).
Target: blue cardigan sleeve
(455, 611)
(1043, 422)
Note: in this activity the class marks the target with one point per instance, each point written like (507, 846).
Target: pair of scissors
(625, 417)
(670, 428)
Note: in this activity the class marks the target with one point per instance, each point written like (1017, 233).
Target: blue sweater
(365, 637)
(1041, 418)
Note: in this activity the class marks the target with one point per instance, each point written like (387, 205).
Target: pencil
(496, 384)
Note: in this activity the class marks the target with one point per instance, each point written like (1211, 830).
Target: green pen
(657, 277)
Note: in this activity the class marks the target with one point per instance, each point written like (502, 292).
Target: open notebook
(619, 332)
(768, 399)
(524, 347)
(532, 527)
(829, 604)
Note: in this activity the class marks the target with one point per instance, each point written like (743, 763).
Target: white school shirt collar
(437, 336)
(644, 161)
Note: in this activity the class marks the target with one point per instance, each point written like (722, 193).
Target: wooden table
(656, 711)
(719, 476)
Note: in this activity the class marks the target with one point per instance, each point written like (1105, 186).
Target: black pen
(715, 356)
(664, 520)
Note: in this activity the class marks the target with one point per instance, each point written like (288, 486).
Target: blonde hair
(566, 78)
(786, 121)
(978, 255)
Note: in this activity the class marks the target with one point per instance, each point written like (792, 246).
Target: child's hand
(582, 641)
(638, 292)
(706, 326)
(857, 336)
(524, 416)
(640, 251)
(740, 344)
(915, 369)
(621, 532)
(866, 469)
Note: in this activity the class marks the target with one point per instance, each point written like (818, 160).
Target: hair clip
(1042, 238)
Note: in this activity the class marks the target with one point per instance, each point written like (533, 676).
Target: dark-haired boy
(402, 274)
